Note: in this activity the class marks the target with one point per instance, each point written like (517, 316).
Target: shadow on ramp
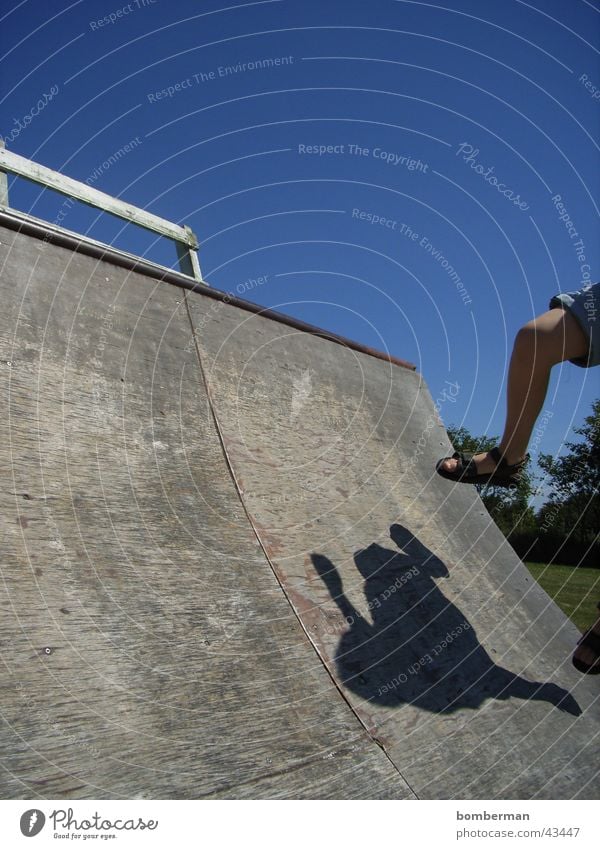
(420, 648)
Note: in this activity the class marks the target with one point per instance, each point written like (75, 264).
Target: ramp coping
(28, 224)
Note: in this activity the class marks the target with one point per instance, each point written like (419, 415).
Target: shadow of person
(420, 649)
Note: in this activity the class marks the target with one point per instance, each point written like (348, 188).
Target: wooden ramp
(228, 570)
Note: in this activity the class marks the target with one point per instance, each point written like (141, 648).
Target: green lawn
(576, 591)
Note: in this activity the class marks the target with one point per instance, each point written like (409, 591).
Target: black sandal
(466, 470)
(592, 641)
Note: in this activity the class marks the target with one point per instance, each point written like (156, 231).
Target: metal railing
(184, 238)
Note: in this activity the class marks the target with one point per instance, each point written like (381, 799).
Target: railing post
(183, 236)
(188, 258)
(3, 182)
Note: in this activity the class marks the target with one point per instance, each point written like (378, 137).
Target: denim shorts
(584, 305)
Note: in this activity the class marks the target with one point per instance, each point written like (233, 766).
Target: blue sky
(307, 142)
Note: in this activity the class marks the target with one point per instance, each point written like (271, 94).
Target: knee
(526, 340)
(533, 344)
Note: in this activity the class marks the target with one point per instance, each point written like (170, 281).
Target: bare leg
(584, 653)
(549, 339)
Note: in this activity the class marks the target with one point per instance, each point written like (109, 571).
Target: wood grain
(149, 651)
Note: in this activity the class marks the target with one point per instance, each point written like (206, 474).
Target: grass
(575, 590)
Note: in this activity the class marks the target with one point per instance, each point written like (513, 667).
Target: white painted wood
(188, 261)
(15, 164)
(3, 181)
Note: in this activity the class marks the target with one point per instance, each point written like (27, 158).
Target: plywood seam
(262, 545)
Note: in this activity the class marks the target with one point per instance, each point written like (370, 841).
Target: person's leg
(549, 339)
(585, 653)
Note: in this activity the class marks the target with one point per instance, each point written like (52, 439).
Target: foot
(586, 654)
(484, 462)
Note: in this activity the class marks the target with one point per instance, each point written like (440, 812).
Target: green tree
(574, 506)
(508, 506)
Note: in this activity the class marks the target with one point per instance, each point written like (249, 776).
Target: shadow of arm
(331, 578)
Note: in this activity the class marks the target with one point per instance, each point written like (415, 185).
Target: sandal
(592, 641)
(466, 470)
